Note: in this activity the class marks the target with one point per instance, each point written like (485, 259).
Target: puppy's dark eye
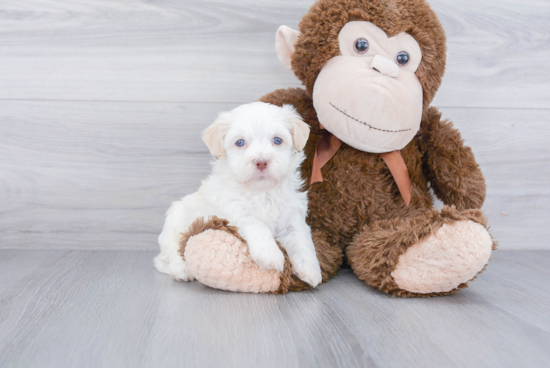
(239, 143)
(402, 58)
(361, 45)
(277, 140)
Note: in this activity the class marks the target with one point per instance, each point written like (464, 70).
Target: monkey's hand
(449, 165)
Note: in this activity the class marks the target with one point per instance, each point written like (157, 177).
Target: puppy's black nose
(261, 164)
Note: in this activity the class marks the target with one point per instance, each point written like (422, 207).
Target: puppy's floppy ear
(214, 135)
(300, 130)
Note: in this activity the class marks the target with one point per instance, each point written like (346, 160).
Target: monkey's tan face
(369, 96)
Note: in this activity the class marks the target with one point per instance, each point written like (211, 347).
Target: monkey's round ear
(300, 130)
(214, 135)
(285, 39)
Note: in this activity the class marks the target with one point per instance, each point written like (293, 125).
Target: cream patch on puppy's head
(262, 143)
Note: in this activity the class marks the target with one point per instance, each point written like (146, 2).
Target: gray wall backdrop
(102, 104)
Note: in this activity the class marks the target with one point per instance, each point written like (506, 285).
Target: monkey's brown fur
(357, 211)
(358, 207)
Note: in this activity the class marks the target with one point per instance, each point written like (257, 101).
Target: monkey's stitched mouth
(370, 126)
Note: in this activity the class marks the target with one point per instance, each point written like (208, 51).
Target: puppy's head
(260, 142)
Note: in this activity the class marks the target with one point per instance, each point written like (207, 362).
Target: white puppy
(255, 184)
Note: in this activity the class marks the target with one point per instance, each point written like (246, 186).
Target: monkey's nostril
(385, 66)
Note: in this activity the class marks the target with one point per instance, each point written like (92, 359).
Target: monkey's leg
(328, 252)
(433, 254)
(218, 257)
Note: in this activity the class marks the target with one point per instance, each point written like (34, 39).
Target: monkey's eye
(361, 45)
(402, 58)
(277, 140)
(239, 143)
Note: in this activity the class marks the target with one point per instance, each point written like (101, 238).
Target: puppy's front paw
(268, 258)
(307, 269)
(180, 272)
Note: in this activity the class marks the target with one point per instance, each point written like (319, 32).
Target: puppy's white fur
(262, 204)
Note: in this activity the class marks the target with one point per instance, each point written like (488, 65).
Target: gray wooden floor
(112, 309)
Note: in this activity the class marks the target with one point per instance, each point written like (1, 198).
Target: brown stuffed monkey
(370, 70)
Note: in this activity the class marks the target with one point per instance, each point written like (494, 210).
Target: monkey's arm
(450, 165)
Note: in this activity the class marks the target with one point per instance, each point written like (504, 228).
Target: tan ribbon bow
(329, 145)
